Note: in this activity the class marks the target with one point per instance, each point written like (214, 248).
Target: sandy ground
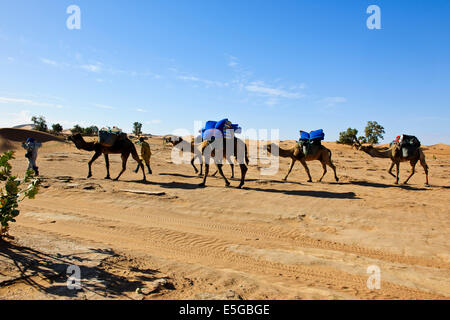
(270, 240)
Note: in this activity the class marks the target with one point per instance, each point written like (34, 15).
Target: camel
(395, 154)
(323, 155)
(194, 147)
(217, 148)
(123, 146)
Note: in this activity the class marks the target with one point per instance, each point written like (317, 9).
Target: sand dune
(11, 138)
(270, 240)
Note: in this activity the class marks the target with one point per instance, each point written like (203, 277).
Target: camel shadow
(178, 175)
(272, 181)
(383, 185)
(309, 193)
(48, 273)
(168, 185)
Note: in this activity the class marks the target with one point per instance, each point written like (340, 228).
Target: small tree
(39, 123)
(13, 192)
(137, 128)
(91, 131)
(348, 136)
(373, 132)
(57, 128)
(77, 129)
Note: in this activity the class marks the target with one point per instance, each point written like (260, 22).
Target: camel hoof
(285, 179)
(227, 185)
(201, 185)
(108, 178)
(309, 180)
(89, 176)
(240, 186)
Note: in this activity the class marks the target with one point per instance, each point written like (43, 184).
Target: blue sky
(289, 65)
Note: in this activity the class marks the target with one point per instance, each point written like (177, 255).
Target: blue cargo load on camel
(222, 128)
(317, 135)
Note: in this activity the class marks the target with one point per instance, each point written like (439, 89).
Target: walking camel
(123, 146)
(322, 154)
(219, 149)
(395, 154)
(194, 147)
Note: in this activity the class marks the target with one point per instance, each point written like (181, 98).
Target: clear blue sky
(263, 64)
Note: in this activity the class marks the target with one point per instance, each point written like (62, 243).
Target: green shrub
(13, 191)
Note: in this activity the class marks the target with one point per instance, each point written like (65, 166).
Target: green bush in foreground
(13, 191)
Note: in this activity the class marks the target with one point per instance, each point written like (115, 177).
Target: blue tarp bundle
(313, 135)
(212, 128)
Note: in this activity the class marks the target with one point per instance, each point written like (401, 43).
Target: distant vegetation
(56, 128)
(137, 128)
(89, 131)
(39, 123)
(373, 133)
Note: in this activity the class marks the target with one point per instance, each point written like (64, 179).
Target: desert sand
(270, 240)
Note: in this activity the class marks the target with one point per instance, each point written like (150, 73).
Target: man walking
(145, 154)
(32, 152)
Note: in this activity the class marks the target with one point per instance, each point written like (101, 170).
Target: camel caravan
(217, 142)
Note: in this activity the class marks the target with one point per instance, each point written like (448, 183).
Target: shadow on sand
(51, 272)
(309, 193)
(383, 185)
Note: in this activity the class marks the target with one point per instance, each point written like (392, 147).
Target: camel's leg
(219, 167)
(244, 170)
(290, 169)
(332, 166)
(192, 163)
(231, 162)
(107, 165)
(398, 172)
(424, 165)
(303, 162)
(124, 164)
(205, 176)
(413, 170)
(201, 165)
(215, 173)
(95, 157)
(324, 166)
(138, 160)
(390, 169)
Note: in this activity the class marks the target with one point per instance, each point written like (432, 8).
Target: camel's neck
(379, 153)
(83, 145)
(284, 153)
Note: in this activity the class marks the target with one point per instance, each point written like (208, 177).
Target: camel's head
(75, 137)
(173, 140)
(271, 146)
